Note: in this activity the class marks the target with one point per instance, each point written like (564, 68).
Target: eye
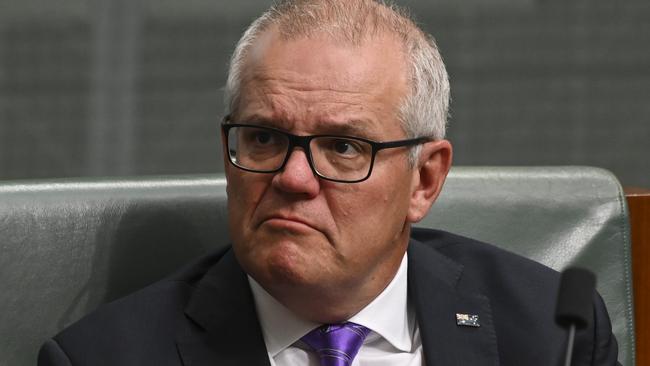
(262, 137)
(346, 148)
(343, 147)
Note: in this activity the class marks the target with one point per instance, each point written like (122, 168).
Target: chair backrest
(70, 245)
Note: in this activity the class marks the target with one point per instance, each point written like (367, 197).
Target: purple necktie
(336, 344)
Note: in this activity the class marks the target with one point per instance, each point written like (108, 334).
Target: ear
(429, 176)
(224, 153)
(224, 148)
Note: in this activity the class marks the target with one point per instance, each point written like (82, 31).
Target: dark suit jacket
(205, 315)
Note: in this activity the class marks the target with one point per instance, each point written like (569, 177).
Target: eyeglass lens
(264, 150)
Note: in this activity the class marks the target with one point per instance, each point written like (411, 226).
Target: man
(334, 141)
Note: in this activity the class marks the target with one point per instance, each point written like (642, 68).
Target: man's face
(292, 231)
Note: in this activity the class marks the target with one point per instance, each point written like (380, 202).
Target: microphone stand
(569, 345)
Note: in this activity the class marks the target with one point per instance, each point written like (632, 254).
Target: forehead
(319, 81)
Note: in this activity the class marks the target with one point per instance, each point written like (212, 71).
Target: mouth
(290, 223)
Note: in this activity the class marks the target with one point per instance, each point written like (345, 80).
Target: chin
(285, 258)
(289, 263)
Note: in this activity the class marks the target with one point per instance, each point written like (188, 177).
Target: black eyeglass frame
(304, 141)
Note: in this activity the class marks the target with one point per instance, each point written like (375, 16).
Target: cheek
(243, 197)
(368, 213)
(345, 203)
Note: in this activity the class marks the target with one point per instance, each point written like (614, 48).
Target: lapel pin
(467, 320)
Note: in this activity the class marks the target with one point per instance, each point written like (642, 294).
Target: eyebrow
(352, 127)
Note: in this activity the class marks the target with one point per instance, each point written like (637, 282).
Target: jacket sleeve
(605, 351)
(51, 354)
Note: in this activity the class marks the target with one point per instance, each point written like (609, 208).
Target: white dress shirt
(394, 338)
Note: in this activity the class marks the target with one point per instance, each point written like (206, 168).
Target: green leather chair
(68, 246)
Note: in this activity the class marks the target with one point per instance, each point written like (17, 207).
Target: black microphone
(575, 303)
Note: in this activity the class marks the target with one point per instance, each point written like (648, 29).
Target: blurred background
(134, 87)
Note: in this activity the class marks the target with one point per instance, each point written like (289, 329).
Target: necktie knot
(336, 344)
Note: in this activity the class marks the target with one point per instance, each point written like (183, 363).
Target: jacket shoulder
(139, 328)
(480, 258)
(522, 294)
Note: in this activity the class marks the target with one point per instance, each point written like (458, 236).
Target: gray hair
(424, 110)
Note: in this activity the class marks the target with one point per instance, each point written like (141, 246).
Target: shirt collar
(387, 315)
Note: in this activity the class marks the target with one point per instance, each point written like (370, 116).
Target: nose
(297, 176)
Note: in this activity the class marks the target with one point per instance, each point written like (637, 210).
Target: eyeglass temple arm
(400, 143)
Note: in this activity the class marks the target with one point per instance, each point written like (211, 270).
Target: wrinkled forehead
(318, 62)
(369, 78)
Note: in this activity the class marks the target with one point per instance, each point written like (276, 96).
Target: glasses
(343, 159)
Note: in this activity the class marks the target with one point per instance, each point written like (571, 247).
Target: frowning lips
(288, 222)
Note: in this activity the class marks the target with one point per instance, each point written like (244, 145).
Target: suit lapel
(439, 292)
(221, 326)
